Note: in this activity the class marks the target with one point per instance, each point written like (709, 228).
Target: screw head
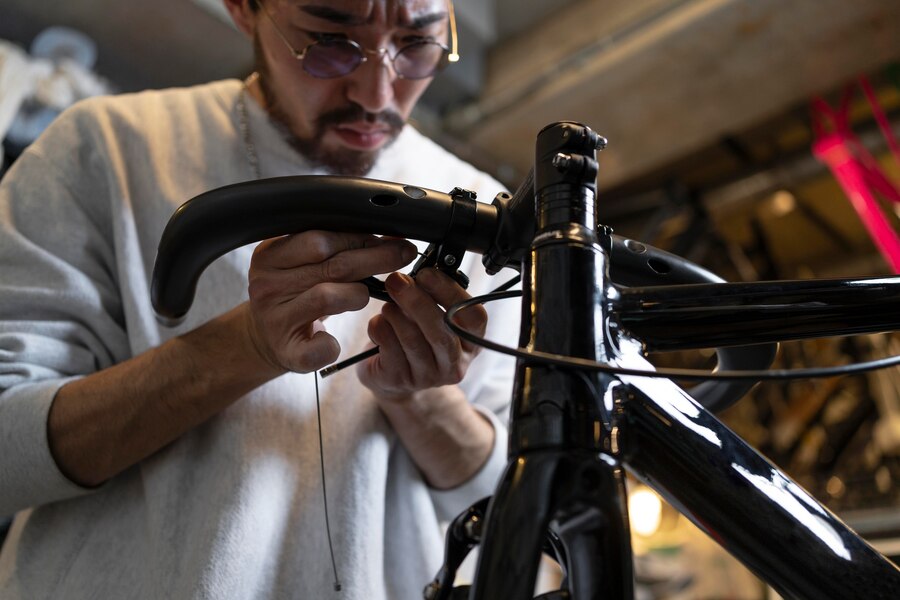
(472, 527)
(561, 161)
(449, 260)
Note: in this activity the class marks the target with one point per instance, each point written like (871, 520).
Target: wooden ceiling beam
(664, 78)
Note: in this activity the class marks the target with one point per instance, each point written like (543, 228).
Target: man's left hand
(417, 349)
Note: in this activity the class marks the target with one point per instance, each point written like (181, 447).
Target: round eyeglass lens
(420, 60)
(331, 58)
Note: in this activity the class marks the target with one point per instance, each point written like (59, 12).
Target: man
(151, 462)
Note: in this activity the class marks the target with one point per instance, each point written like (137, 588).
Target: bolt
(561, 161)
(472, 528)
(449, 260)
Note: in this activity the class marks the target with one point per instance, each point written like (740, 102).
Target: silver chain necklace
(253, 161)
(244, 123)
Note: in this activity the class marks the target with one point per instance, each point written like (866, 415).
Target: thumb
(320, 350)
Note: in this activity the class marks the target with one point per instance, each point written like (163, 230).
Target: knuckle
(450, 347)
(336, 268)
(319, 245)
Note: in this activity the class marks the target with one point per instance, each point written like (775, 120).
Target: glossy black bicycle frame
(574, 431)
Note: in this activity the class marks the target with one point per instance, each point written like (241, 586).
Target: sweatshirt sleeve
(60, 312)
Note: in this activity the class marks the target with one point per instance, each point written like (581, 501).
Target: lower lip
(361, 141)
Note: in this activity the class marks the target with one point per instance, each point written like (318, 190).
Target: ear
(243, 16)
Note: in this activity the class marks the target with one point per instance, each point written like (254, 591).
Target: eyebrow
(333, 15)
(339, 17)
(423, 21)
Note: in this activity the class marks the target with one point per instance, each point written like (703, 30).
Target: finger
(328, 298)
(390, 360)
(311, 299)
(425, 316)
(417, 350)
(320, 350)
(448, 293)
(353, 265)
(366, 253)
(310, 247)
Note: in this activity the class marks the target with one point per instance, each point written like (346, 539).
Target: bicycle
(586, 405)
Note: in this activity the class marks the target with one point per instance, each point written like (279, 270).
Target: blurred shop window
(36, 85)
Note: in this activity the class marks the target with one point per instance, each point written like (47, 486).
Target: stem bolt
(561, 161)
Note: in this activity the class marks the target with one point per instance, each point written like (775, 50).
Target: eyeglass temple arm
(298, 54)
(454, 54)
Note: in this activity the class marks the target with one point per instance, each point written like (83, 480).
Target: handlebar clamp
(448, 255)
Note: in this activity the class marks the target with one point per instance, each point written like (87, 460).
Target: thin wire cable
(678, 374)
(505, 286)
(332, 369)
(337, 581)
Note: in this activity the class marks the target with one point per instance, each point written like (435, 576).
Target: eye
(323, 36)
(414, 39)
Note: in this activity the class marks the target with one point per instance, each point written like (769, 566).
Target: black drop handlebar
(226, 218)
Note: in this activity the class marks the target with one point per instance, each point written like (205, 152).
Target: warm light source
(783, 202)
(644, 510)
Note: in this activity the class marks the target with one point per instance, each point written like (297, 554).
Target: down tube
(742, 501)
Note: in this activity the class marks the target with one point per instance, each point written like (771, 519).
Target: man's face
(342, 123)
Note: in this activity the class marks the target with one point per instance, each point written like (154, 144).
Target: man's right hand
(105, 422)
(297, 280)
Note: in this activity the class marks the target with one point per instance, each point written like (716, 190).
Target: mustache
(353, 113)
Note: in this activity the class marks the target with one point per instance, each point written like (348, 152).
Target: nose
(371, 85)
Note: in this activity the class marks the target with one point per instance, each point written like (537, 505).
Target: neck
(254, 90)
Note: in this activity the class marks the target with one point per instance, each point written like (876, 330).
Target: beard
(337, 161)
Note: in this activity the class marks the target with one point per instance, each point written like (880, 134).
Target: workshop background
(738, 132)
